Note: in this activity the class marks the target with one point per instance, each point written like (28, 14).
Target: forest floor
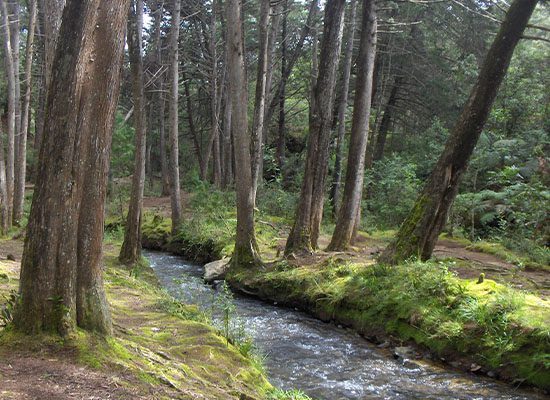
(159, 350)
(468, 263)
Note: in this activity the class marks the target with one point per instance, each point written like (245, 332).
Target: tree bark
(419, 233)
(281, 133)
(61, 277)
(11, 126)
(51, 11)
(353, 188)
(19, 195)
(245, 253)
(385, 123)
(130, 251)
(260, 96)
(4, 212)
(342, 108)
(175, 194)
(305, 231)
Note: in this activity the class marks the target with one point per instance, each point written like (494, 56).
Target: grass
(501, 328)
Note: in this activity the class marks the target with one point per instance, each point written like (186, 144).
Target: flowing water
(324, 361)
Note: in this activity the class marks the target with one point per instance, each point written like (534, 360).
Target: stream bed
(325, 361)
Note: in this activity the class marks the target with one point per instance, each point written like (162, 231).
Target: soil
(55, 374)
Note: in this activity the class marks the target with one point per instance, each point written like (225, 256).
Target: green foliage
(393, 187)
(7, 309)
(122, 152)
(279, 394)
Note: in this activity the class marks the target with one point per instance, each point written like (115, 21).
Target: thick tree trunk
(353, 189)
(175, 194)
(260, 96)
(11, 126)
(342, 108)
(246, 248)
(19, 195)
(307, 223)
(419, 233)
(130, 251)
(61, 276)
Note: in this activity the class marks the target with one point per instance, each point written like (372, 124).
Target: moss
(159, 342)
(495, 326)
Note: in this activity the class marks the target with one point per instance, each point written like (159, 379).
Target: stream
(325, 361)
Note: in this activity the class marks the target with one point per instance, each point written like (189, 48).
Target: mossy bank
(160, 346)
(504, 331)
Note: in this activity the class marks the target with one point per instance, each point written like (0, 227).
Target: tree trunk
(353, 189)
(307, 223)
(419, 233)
(14, 11)
(10, 78)
(175, 194)
(385, 123)
(281, 134)
(51, 12)
(227, 143)
(246, 248)
(19, 195)
(342, 108)
(61, 277)
(214, 96)
(130, 251)
(260, 96)
(3, 190)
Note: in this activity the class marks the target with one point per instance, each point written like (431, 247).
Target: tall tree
(130, 251)
(61, 276)
(342, 108)
(21, 150)
(260, 96)
(353, 188)
(420, 230)
(9, 62)
(305, 231)
(175, 194)
(246, 248)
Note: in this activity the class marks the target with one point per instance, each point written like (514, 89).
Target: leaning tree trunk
(420, 231)
(175, 194)
(19, 194)
(353, 188)
(342, 107)
(61, 276)
(11, 95)
(130, 251)
(246, 248)
(305, 231)
(378, 153)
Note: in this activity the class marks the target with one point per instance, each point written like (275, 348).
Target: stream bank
(486, 328)
(326, 361)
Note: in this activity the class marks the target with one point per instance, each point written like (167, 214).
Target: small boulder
(216, 270)
(403, 352)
